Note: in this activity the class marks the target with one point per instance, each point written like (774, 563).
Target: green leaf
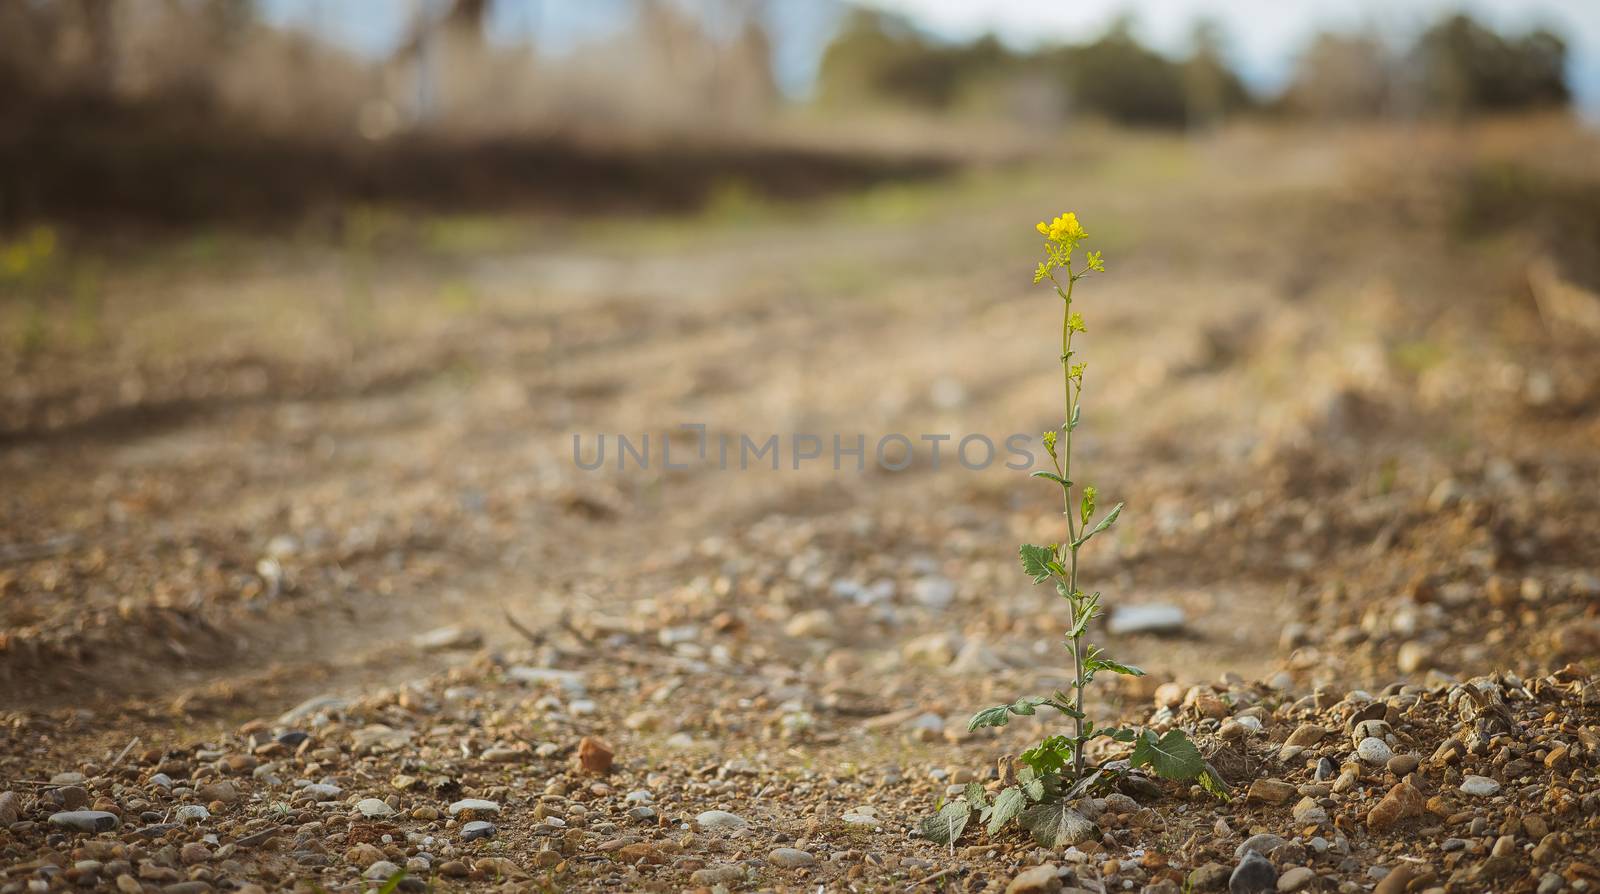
(1054, 824)
(995, 716)
(1042, 473)
(1074, 421)
(1087, 611)
(1172, 756)
(947, 825)
(1050, 755)
(1100, 662)
(1036, 561)
(1108, 521)
(1212, 781)
(1000, 715)
(1007, 806)
(977, 798)
(1118, 733)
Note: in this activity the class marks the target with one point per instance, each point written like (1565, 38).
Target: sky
(1264, 36)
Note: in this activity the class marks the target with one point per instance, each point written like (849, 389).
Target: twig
(535, 638)
(568, 626)
(124, 753)
(932, 878)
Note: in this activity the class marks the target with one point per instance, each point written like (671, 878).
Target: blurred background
(302, 301)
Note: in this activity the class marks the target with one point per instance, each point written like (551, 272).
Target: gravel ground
(1360, 462)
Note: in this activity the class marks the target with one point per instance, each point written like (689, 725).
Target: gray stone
(478, 829)
(322, 704)
(1479, 786)
(1157, 618)
(720, 819)
(1254, 875)
(934, 592)
(1307, 812)
(381, 871)
(191, 813)
(476, 805)
(571, 681)
(1374, 751)
(373, 808)
(1262, 844)
(446, 638)
(85, 820)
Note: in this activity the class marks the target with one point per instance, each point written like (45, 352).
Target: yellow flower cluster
(1064, 230)
(1062, 235)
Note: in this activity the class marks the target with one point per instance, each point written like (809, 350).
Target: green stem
(1072, 532)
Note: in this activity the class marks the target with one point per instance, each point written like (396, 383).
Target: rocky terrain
(301, 587)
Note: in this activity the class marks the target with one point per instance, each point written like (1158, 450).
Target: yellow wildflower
(1064, 229)
(1075, 322)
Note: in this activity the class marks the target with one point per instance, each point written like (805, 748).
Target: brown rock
(1169, 695)
(10, 808)
(1557, 757)
(1548, 849)
(239, 764)
(194, 852)
(364, 855)
(218, 791)
(1536, 826)
(1210, 877)
(1401, 803)
(1271, 791)
(498, 868)
(1402, 765)
(641, 852)
(1305, 735)
(594, 755)
(1038, 880)
(1397, 880)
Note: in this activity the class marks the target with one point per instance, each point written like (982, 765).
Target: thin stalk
(1072, 532)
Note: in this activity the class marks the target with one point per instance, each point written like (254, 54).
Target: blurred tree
(1212, 91)
(878, 57)
(1123, 80)
(1467, 68)
(1343, 76)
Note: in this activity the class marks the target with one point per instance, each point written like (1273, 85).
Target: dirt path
(280, 463)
